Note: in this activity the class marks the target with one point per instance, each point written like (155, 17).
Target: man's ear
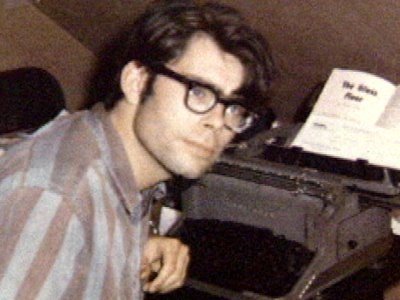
(133, 81)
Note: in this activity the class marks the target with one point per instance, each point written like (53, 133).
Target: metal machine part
(337, 210)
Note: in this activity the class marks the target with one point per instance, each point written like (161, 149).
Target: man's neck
(146, 169)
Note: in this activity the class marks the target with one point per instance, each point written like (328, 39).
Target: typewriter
(274, 222)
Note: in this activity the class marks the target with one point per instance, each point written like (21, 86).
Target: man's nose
(215, 118)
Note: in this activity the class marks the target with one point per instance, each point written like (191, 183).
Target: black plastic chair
(29, 97)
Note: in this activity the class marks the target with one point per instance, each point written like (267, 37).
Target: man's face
(183, 142)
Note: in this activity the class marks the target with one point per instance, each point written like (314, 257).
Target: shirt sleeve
(41, 239)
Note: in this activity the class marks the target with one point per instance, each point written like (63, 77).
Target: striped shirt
(72, 222)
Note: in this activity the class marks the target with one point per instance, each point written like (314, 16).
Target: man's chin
(192, 171)
(188, 165)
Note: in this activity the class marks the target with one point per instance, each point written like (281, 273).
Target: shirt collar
(116, 158)
(156, 192)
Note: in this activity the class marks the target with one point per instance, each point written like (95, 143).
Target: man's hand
(169, 258)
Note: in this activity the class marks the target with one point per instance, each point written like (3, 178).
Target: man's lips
(203, 149)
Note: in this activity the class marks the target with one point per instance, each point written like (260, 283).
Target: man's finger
(174, 263)
(177, 279)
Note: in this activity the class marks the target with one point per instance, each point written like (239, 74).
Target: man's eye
(198, 92)
(235, 109)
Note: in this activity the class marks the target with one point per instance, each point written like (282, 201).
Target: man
(74, 197)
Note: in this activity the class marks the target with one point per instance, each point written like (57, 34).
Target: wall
(308, 38)
(30, 38)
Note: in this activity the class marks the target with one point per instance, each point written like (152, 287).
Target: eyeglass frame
(159, 68)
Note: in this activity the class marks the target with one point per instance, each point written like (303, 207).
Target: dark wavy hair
(161, 33)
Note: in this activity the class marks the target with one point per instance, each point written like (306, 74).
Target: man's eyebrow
(205, 82)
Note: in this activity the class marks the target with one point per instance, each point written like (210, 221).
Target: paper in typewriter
(357, 116)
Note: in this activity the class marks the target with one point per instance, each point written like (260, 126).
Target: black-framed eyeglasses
(201, 98)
